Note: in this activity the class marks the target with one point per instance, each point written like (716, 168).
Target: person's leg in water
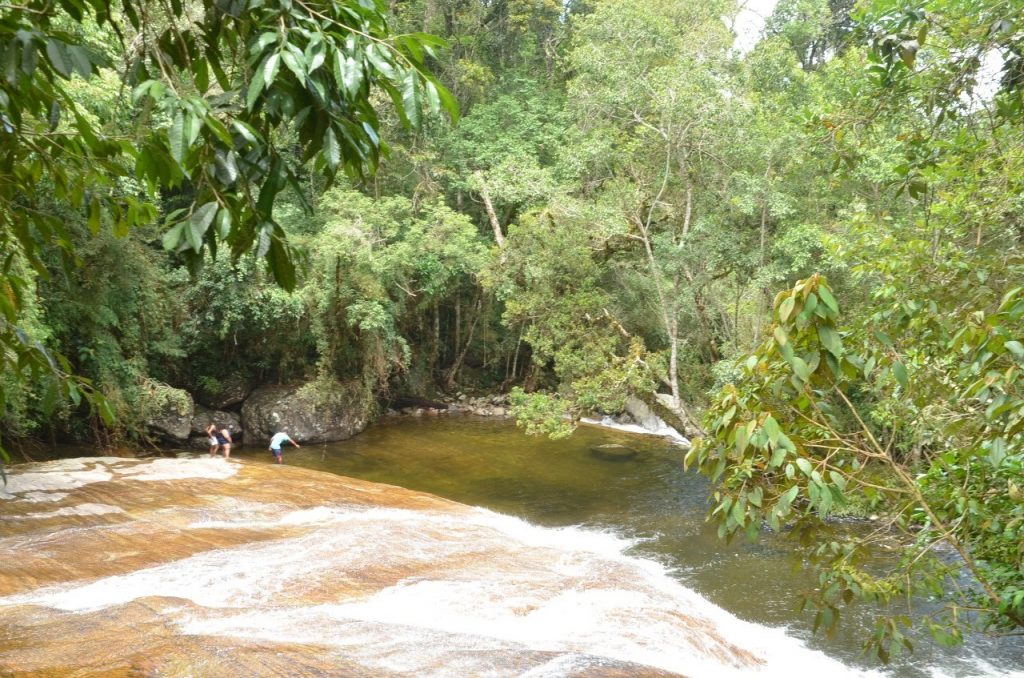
(278, 454)
(227, 450)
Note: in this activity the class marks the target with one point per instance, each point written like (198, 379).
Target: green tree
(651, 89)
(378, 268)
(911, 399)
(217, 87)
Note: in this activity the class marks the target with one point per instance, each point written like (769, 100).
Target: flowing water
(527, 558)
(648, 500)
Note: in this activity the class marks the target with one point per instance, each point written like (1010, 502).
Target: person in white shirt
(211, 433)
(277, 441)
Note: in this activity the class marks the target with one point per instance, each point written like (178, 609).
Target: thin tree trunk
(457, 365)
(764, 261)
(508, 367)
(688, 214)
(665, 318)
(515, 359)
(656, 277)
(673, 366)
(764, 232)
(736, 319)
(709, 328)
(435, 348)
(457, 339)
(492, 216)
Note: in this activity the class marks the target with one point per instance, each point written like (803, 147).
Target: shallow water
(490, 463)
(197, 566)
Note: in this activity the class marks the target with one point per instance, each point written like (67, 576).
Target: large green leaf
(412, 97)
(176, 137)
(200, 222)
(830, 339)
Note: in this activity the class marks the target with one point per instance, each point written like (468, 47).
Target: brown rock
(306, 413)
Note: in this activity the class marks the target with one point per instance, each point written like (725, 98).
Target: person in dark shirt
(224, 440)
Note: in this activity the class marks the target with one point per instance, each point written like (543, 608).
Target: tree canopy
(222, 104)
(807, 254)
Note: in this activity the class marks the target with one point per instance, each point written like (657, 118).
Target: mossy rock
(166, 410)
(315, 412)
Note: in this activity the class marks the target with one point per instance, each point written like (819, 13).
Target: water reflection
(489, 463)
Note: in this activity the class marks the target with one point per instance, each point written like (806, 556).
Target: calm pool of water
(490, 463)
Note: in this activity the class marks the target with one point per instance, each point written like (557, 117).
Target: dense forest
(806, 249)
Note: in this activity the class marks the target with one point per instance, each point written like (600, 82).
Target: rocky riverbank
(316, 412)
(636, 416)
(460, 403)
(311, 412)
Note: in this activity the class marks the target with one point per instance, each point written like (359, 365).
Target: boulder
(229, 392)
(312, 413)
(167, 411)
(642, 415)
(654, 413)
(204, 416)
(613, 452)
(198, 443)
(676, 417)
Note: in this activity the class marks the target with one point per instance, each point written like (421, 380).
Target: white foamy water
(35, 486)
(433, 592)
(52, 481)
(215, 468)
(663, 431)
(80, 510)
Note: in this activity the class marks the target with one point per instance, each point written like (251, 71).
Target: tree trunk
(688, 215)
(709, 328)
(763, 260)
(673, 367)
(457, 339)
(515, 359)
(492, 216)
(435, 344)
(457, 365)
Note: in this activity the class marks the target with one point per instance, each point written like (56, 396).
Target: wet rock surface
(483, 406)
(199, 566)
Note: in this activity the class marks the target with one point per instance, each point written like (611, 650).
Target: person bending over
(211, 433)
(277, 441)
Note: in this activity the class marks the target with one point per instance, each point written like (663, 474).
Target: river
(442, 547)
(648, 500)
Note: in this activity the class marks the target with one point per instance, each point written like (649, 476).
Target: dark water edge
(648, 498)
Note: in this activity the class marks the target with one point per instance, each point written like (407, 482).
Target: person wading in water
(277, 441)
(211, 433)
(224, 440)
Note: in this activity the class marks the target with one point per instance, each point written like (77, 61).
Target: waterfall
(149, 564)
